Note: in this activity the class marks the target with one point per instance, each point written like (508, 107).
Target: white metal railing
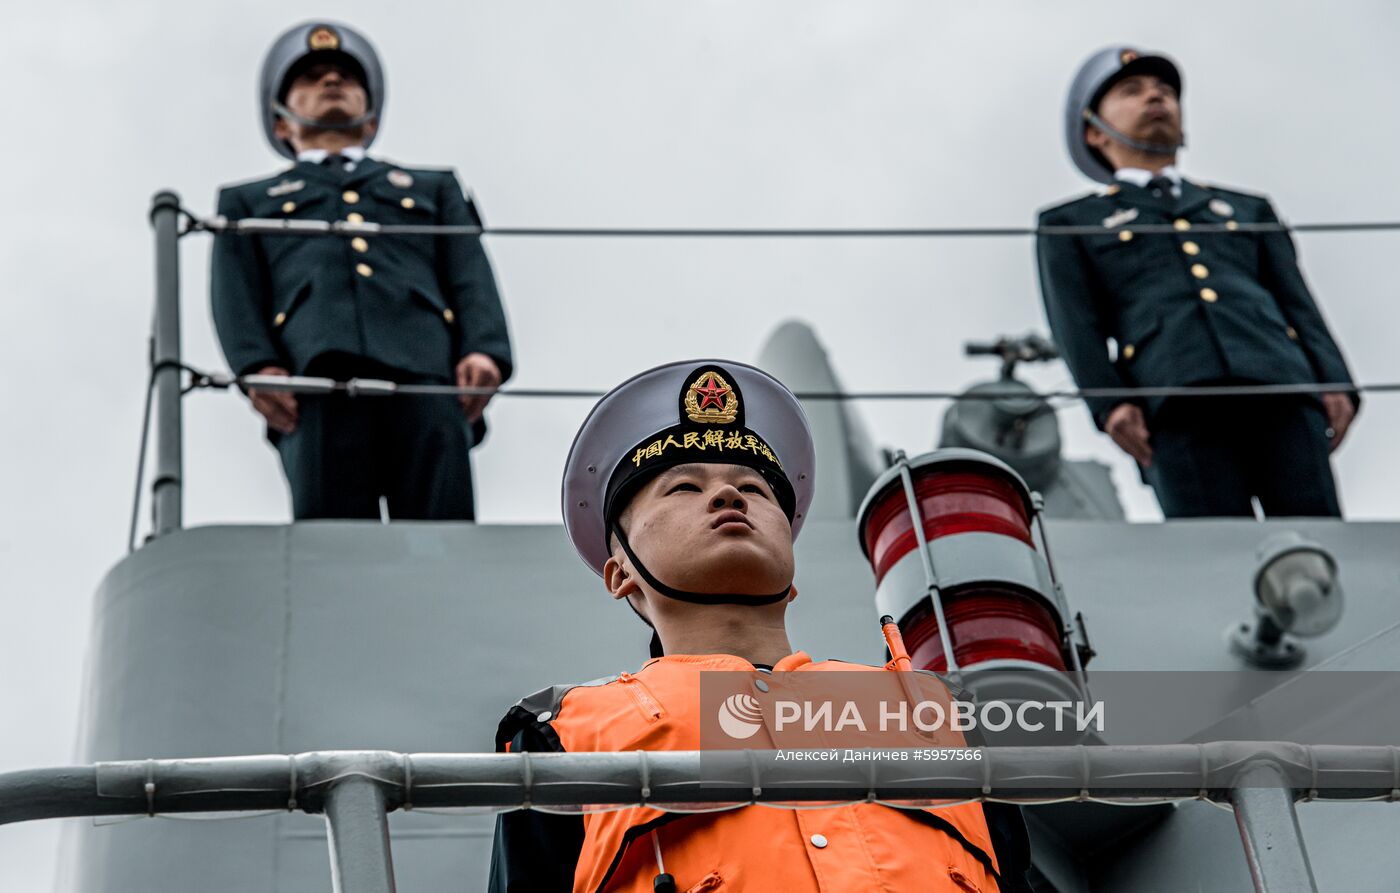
(356, 789)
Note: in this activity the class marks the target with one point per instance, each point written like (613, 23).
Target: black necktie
(336, 162)
(1161, 187)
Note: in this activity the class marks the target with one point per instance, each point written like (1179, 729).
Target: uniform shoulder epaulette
(255, 183)
(1070, 203)
(1230, 190)
(421, 168)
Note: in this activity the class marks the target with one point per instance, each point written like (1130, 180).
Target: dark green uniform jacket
(412, 303)
(1185, 308)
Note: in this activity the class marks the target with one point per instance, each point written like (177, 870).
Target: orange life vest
(863, 847)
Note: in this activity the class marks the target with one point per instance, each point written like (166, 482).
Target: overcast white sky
(639, 113)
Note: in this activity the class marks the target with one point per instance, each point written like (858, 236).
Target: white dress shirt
(1141, 177)
(355, 154)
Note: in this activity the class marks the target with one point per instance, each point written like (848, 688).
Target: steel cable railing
(167, 388)
(363, 387)
(297, 227)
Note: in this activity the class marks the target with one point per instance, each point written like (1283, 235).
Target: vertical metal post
(357, 829)
(166, 489)
(1062, 603)
(935, 591)
(1268, 822)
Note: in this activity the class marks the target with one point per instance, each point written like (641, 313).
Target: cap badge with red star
(323, 38)
(710, 400)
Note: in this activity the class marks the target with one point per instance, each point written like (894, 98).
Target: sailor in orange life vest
(684, 491)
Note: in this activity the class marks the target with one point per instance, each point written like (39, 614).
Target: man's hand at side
(1340, 412)
(1129, 430)
(476, 370)
(278, 407)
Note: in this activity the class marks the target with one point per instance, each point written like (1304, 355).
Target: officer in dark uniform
(1187, 308)
(407, 308)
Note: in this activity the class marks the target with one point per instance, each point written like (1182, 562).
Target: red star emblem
(712, 393)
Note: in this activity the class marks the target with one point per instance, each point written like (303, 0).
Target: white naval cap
(1099, 72)
(716, 411)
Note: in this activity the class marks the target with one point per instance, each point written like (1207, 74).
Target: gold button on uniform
(1209, 296)
(1191, 248)
(1125, 236)
(1232, 225)
(1128, 351)
(1182, 224)
(360, 244)
(364, 270)
(355, 217)
(1292, 333)
(448, 316)
(350, 196)
(1200, 271)
(288, 207)
(279, 319)
(407, 202)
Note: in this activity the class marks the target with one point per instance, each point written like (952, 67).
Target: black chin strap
(1139, 145)
(352, 124)
(698, 598)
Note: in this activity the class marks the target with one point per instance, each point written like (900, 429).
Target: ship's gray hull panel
(417, 637)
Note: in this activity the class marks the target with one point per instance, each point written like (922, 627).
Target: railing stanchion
(1268, 822)
(357, 831)
(167, 488)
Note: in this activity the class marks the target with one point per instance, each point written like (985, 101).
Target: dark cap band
(679, 446)
(711, 430)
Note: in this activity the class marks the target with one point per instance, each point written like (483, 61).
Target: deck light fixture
(1297, 594)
